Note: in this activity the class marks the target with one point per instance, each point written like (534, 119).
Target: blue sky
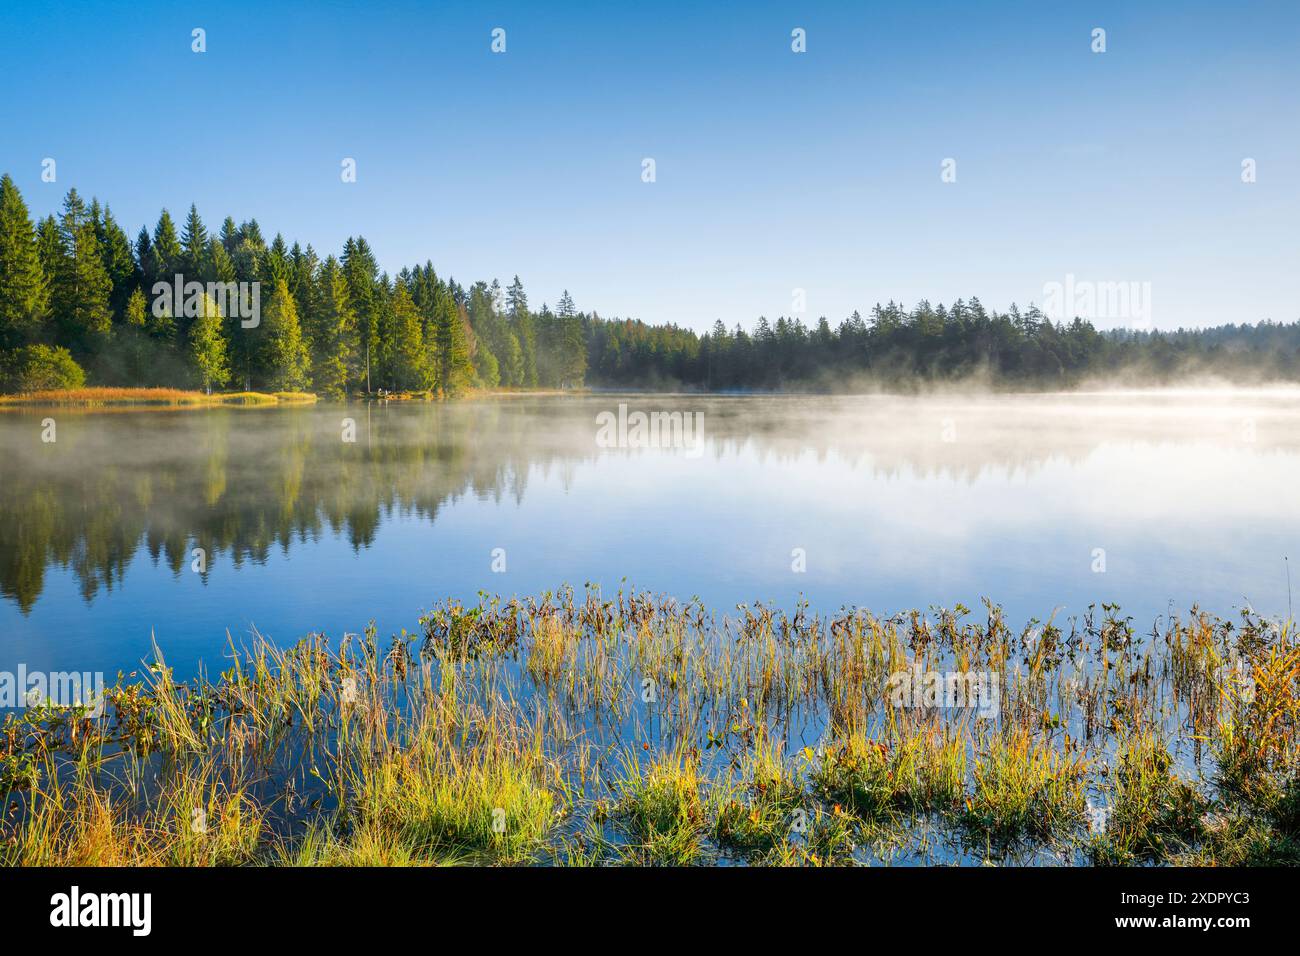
(775, 171)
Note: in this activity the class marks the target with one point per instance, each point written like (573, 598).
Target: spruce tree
(207, 347)
(229, 235)
(24, 290)
(285, 362)
(565, 308)
(521, 324)
(81, 285)
(166, 257)
(136, 344)
(485, 339)
(118, 262)
(217, 264)
(451, 346)
(143, 251)
(276, 264)
(194, 241)
(303, 266)
(334, 333)
(410, 362)
(512, 362)
(361, 270)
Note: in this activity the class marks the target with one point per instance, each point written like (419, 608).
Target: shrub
(37, 367)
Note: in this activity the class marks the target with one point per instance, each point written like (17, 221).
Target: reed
(108, 397)
(577, 728)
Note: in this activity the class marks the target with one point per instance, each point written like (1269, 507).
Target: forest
(81, 303)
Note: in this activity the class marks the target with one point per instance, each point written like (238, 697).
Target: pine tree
(118, 262)
(361, 270)
(303, 266)
(246, 251)
(521, 324)
(160, 324)
(410, 362)
(137, 347)
(276, 264)
(485, 340)
(143, 259)
(24, 290)
(573, 351)
(487, 370)
(516, 299)
(166, 256)
(451, 346)
(207, 347)
(194, 241)
(249, 252)
(512, 361)
(229, 236)
(565, 308)
(334, 332)
(82, 288)
(285, 361)
(547, 327)
(217, 264)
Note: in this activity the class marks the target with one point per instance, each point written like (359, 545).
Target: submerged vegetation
(576, 729)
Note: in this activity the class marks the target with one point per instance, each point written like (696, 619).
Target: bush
(37, 367)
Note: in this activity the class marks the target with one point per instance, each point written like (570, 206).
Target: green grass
(1024, 788)
(1150, 814)
(661, 808)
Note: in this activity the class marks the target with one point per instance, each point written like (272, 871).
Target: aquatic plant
(584, 729)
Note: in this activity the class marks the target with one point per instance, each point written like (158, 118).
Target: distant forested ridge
(80, 304)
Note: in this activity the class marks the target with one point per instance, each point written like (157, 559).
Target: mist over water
(896, 503)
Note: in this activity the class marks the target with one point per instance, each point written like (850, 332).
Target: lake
(1042, 503)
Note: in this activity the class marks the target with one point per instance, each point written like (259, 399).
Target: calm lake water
(896, 503)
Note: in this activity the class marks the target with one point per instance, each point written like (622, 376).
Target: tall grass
(149, 397)
(583, 729)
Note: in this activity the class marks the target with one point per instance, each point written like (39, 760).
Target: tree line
(901, 349)
(81, 302)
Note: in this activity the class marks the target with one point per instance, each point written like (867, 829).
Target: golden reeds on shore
(578, 729)
(107, 397)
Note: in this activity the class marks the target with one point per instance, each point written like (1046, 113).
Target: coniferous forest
(77, 307)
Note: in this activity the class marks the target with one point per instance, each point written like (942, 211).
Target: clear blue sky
(775, 170)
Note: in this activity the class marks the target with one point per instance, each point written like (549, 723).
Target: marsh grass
(756, 812)
(150, 397)
(191, 820)
(905, 767)
(660, 806)
(1024, 788)
(1153, 814)
(486, 802)
(579, 729)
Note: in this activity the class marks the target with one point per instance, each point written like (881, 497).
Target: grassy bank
(181, 398)
(576, 729)
(151, 398)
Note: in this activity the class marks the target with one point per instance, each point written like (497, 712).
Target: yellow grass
(167, 397)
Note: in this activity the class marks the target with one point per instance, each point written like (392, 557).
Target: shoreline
(153, 399)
